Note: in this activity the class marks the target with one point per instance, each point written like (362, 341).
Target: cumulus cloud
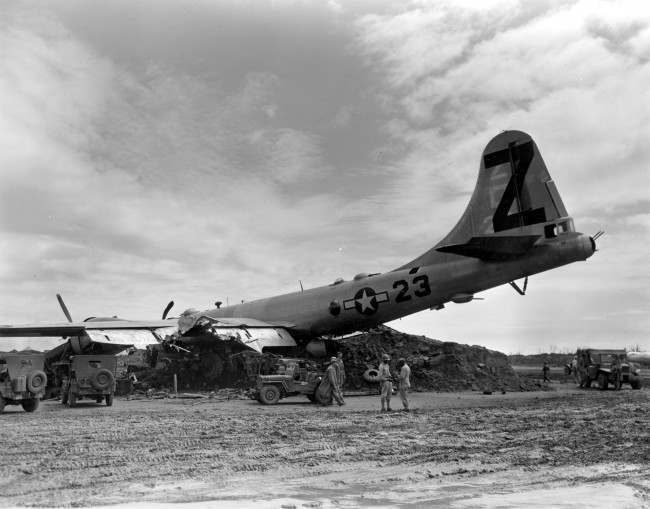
(571, 74)
(142, 165)
(141, 178)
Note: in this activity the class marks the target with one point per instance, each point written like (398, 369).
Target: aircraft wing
(110, 336)
(46, 330)
(74, 329)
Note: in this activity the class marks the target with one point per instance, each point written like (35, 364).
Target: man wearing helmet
(333, 377)
(385, 383)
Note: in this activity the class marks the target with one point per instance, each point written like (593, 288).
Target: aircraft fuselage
(369, 301)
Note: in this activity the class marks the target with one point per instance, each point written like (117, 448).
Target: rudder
(513, 202)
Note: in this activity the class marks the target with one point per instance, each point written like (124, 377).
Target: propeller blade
(167, 309)
(598, 234)
(65, 309)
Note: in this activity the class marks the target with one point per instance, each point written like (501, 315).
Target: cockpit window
(550, 231)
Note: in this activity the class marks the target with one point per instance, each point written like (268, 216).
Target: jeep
(607, 367)
(87, 376)
(291, 377)
(22, 380)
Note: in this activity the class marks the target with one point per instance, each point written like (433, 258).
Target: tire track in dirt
(91, 455)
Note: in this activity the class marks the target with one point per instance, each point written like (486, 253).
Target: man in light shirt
(385, 383)
(404, 382)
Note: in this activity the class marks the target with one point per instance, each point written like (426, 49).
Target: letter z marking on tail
(519, 157)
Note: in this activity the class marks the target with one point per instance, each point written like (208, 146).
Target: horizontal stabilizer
(492, 248)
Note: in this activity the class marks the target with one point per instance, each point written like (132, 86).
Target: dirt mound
(435, 365)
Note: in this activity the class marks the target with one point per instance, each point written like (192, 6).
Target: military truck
(607, 367)
(22, 380)
(87, 376)
(291, 377)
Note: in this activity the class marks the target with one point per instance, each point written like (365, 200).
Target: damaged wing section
(241, 333)
(138, 338)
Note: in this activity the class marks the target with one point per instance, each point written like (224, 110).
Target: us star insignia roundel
(366, 301)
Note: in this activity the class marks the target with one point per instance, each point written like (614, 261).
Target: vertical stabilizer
(513, 202)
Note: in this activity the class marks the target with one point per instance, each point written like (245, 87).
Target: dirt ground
(557, 448)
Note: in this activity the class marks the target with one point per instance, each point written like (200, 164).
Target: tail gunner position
(515, 225)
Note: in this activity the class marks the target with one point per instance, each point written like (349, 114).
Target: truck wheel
(636, 384)
(29, 405)
(72, 399)
(311, 397)
(269, 395)
(102, 380)
(2, 404)
(36, 382)
(109, 399)
(602, 381)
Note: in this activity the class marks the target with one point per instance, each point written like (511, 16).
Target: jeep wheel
(602, 381)
(636, 384)
(2, 404)
(36, 382)
(29, 405)
(72, 399)
(269, 395)
(102, 380)
(312, 397)
(109, 400)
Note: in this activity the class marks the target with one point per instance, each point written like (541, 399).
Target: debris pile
(435, 365)
(218, 395)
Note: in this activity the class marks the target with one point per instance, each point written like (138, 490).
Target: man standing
(574, 369)
(4, 371)
(341, 368)
(385, 384)
(546, 370)
(404, 382)
(333, 377)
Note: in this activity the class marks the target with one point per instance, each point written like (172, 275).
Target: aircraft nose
(593, 245)
(592, 241)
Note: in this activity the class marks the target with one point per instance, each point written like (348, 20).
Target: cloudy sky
(224, 150)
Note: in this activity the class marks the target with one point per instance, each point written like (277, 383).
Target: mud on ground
(455, 450)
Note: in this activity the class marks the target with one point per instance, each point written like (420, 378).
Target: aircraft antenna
(167, 309)
(63, 307)
(301, 288)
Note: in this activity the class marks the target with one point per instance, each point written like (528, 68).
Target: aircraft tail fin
(515, 202)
